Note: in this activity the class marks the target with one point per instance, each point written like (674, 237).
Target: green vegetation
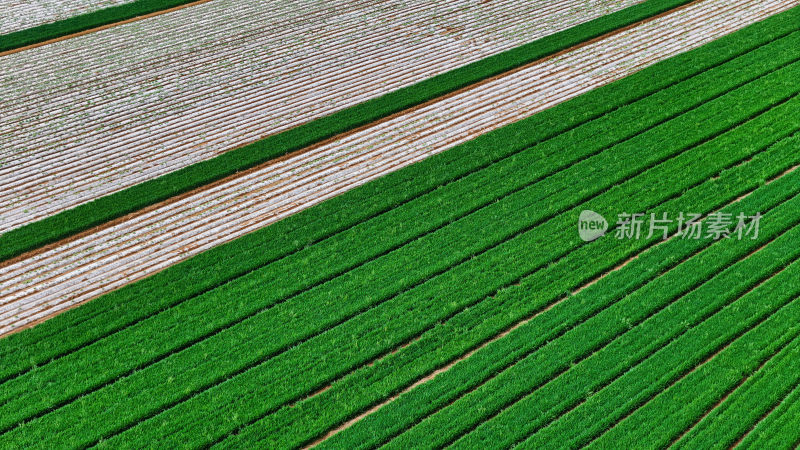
(80, 218)
(471, 259)
(779, 429)
(728, 422)
(535, 333)
(83, 22)
(632, 353)
(518, 303)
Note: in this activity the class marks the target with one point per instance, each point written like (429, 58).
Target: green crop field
(452, 302)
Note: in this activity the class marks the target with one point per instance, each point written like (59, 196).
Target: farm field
(99, 210)
(38, 22)
(242, 271)
(171, 233)
(19, 16)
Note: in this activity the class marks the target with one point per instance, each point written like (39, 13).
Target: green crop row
(83, 22)
(17, 405)
(642, 335)
(743, 403)
(131, 199)
(744, 335)
(296, 425)
(362, 339)
(688, 136)
(779, 429)
(601, 331)
(121, 309)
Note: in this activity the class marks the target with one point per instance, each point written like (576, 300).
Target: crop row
(135, 197)
(750, 317)
(779, 429)
(429, 215)
(65, 18)
(19, 16)
(612, 321)
(352, 343)
(270, 99)
(749, 399)
(74, 384)
(198, 368)
(103, 317)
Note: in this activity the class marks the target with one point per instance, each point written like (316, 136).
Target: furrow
(435, 373)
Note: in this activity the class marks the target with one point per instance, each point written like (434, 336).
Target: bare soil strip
(41, 284)
(160, 94)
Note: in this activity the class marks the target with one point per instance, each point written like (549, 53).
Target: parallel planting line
(781, 402)
(243, 319)
(247, 89)
(740, 407)
(14, 273)
(380, 426)
(11, 273)
(19, 172)
(67, 223)
(50, 301)
(706, 368)
(743, 407)
(680, 357)
(124, 439)
(19, 15)
(664, 402)
(144, 429)
(638, 365)
(598, 323)
(481, 312)
(293, 18)
(778, 429)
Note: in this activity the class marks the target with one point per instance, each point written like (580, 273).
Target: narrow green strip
(83, 22)
(779, 429)
(80, 218)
